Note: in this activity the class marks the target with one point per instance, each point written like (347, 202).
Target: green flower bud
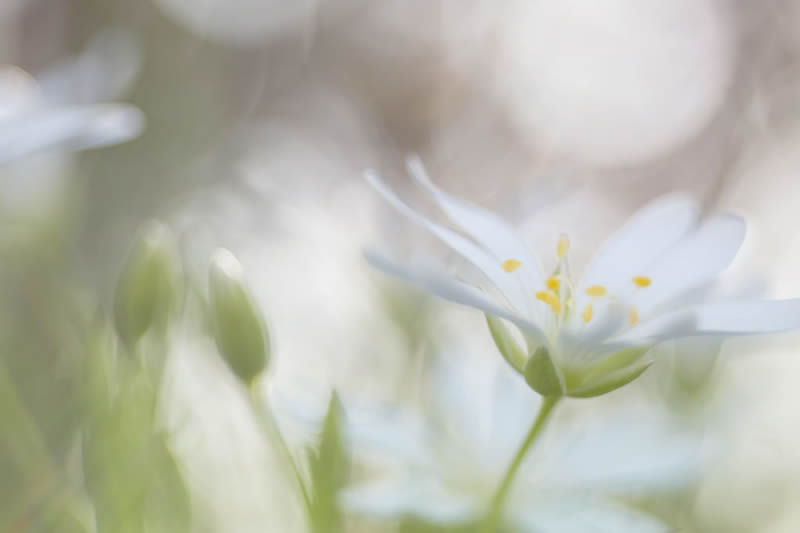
(542, 375)
(148, 283)
(239, 328)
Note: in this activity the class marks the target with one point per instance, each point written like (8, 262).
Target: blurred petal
(644, 238)
(450, 289)
(590, 515)
(491, 267)
(641, 450)
(695, 261)
(727, 318)
(491, 231)
(103, 72)
(75, 128)
(420, 497)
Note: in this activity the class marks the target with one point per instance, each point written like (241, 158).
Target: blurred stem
(23, 444)
(270, 427)
(496, 505)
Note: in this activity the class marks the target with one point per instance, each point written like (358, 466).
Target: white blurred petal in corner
(239, 22)
(42, 124)
(615, 82)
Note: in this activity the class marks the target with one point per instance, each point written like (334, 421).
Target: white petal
(695, 261)
(644, 237)
(491, 231)
(72, 128)
(723, 319)
(508, 283)
(409, 496)
(450, 289)
(637, 450)
(572, 514)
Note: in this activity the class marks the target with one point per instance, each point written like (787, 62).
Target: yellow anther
(553, 283)
(596, 290)
(641, 281)
(510, 265)
(587, 313)
(633, 316)
(562, 247)
(550, 299)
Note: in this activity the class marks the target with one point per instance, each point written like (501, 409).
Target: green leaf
(506, 344)
(542, 375)
(329, 467)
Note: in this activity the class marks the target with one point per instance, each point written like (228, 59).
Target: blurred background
(259, 117)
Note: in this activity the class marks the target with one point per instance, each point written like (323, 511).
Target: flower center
(558, 290)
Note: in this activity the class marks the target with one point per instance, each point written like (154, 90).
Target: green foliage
(328, 468)
(130, 472)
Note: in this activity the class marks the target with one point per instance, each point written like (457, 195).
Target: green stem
(270, 427)
(496, 505)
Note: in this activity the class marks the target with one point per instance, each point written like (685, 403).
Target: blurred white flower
(647, 284)
(29, 124)
(444, 468)
(43, 122)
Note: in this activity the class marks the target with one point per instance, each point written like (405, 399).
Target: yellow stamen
(633, 316)
(550, 299)
(587, 313)
(510, 265)
(596, 290)
(562, 247)
(552, 283)
(641, 281)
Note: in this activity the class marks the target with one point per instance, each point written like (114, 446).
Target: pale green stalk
(492, 519)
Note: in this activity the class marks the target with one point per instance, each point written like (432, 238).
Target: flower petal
(71, 128)
(422, 497)
(724, 319)
(694, 262)
(506, 282)
(450, 289)
(571, 513)
(491, 231)
(646, 236)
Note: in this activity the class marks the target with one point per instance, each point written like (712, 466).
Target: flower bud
(239, 328)
(148, 283)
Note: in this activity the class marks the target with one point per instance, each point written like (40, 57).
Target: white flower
(587, 336)
(30, 123)
(445, 468)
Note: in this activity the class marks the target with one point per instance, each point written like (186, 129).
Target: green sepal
(609, 382)
(542, 375)
(506, 344)
(595, 372)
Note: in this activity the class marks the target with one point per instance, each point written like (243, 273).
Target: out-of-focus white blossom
(444, 468)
